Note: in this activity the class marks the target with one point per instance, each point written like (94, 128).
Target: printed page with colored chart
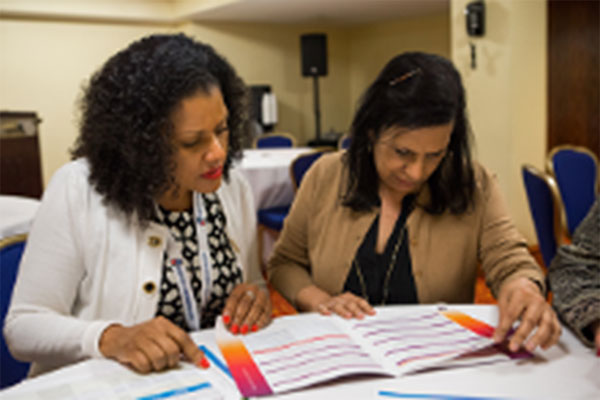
(302, 350)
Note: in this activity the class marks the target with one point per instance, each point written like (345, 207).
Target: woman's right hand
(346, 305)
(154, 345)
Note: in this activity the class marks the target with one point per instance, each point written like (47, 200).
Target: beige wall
(270, 54)
(42, 68)
(506, 93)
(373, 45)
(44, 64)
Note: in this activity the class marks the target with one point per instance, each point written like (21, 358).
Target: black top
(374, 266)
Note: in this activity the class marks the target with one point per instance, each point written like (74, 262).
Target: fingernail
(598, 353)
(255, 328)
(204, 362)
(530, 348)
(226, 319)
(234, 328)
(244, 329)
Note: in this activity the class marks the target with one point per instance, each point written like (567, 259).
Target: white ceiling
(319, 11)
(268, 11)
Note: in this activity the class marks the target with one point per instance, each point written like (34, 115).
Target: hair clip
(404, 77)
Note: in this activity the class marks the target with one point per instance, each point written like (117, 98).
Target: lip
(406, 185)
(213, 173)
(404, 182)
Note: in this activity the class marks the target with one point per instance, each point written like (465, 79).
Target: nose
(415, 169)
(216, 152)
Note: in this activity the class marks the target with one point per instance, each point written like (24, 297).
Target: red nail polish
(244, 329)
(598, 353)
(226, 319)
(204, 363)
(255, 328)
(234, 328)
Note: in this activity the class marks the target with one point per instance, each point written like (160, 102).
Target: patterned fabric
(574, 277)
(225, 273)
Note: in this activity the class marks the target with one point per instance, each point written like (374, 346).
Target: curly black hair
(125, 125)
(414, 90)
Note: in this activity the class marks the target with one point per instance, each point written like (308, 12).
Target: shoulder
(483, 176)
(328, 167)
(485, 180)
(235, 185)
(72, 177)
(235, 192)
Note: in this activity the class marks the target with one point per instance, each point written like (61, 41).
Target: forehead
(200, 111)
(429, 138)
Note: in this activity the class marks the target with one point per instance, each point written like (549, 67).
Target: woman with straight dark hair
(148, 233)
(405, 216)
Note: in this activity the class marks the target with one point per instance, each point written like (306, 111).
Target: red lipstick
(213, 173)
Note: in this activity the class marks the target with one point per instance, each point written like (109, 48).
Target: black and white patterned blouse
(225, 273)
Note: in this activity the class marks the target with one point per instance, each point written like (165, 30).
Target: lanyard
(191, 310)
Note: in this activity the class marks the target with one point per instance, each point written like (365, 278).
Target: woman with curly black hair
(148, 233)
(405, 216)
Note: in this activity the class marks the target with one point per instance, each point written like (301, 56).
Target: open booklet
(302, 350)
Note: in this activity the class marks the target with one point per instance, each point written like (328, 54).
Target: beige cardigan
(320, 238)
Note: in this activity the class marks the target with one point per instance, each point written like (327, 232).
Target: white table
(16, 215)
(268, 172)
(566, 371)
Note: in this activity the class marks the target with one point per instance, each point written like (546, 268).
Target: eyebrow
(437, 152)
(203, 131)
(412, 151)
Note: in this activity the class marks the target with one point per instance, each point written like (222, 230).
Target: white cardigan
(86, 266)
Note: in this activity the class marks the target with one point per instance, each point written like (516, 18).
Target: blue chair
(271, 219)
(576, 172)
(11, 249)
(546, 210)
(301, 164)
(274, 140)
(344, 142)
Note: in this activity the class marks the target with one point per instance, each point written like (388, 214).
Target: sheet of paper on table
(107, 379)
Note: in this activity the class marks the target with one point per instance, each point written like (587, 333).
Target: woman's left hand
(521, 299)
(247, 309)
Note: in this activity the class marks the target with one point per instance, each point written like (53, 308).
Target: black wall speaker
(314, 54)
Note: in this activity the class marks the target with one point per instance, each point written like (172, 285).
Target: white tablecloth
(16, 215)
(268, 172)
(565, 371)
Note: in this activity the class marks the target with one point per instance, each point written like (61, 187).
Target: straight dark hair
(414, 90)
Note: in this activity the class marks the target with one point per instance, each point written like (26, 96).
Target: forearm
(288, 279)
(310, 297)
(581, 317)
(575, 286)
(49, 338)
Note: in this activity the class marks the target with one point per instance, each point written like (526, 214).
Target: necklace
(388, 274)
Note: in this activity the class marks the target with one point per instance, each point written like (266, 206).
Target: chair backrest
(344, 142)
(11, 249)
(273, 140)
(301, 164)
(546, 210)
(576, 172)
